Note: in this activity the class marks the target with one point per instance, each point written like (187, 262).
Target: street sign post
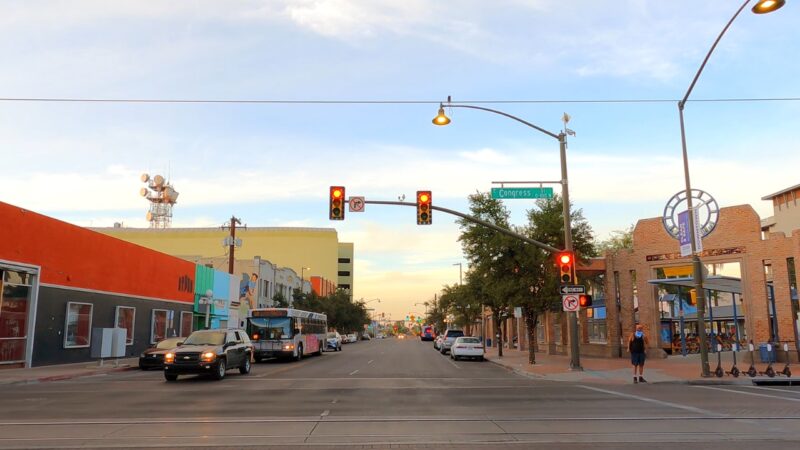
(572, 289)
(522, 193)
(571, 303)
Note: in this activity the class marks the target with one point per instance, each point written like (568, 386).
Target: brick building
(751, 288)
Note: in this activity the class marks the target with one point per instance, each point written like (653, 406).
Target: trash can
(766, 355)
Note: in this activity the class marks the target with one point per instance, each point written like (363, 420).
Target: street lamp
(207, 300)
(761, 7)
(441, 119)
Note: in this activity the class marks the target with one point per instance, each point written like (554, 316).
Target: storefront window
(186, 323)
(79, 325)
(158, 326)
(596, 324)
(126, 317)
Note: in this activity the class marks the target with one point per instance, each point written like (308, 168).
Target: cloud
(486, 155)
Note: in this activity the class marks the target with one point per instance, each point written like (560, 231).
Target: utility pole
(232, 241)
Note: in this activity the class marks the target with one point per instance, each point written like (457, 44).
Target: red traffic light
(566, 267)
(565, 258)
(585, 300)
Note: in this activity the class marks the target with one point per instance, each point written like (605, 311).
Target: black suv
(210, 352)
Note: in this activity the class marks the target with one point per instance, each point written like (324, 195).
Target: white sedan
(467, 347)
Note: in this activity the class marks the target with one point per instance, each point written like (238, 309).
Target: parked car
(210, 352)
(333, 341)
(401, 336)
(467, 347)
(365, 336)
(380, 336)
(352, 337)
(153, 357)
(449, 337)
(437, 343)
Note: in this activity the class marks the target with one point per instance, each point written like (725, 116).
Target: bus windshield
(271, 327)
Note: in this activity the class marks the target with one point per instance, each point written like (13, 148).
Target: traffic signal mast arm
(473, 220)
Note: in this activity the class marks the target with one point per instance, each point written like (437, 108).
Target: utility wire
(381, 102)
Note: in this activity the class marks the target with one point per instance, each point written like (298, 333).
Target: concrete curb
(693, 382)
(70, 376)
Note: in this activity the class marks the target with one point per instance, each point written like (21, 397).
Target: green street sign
(522, 193)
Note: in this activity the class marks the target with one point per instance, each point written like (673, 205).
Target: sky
(271, 163)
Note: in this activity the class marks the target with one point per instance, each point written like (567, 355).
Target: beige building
(786, 211)
(308, 252)
(345, 274)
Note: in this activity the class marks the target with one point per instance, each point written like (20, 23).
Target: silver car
(448, 339)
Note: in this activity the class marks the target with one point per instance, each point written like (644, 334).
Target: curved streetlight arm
(473, 219)
(524, 122)
(713, 47)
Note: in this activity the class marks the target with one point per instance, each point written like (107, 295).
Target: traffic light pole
(574, 345)
(473, 219)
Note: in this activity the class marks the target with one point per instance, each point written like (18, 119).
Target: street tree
(490, 254)
(537, 290)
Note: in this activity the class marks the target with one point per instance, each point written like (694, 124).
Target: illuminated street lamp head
(767, 6)
(441, 118)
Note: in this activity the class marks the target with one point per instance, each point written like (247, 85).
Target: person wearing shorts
(637, 346)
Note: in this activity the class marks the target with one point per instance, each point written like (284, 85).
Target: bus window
(271, 327)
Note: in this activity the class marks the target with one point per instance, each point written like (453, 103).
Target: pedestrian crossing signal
(585, 300)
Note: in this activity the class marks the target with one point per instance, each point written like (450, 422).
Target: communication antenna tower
(162, 197)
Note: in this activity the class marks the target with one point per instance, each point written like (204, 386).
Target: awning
(719, 283)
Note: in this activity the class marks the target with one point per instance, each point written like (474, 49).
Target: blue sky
(272, 164)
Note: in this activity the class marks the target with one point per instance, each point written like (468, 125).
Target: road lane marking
(325, 413)
(654, 401)
(454, 364)
(335, 400)
(785, 391)
(749, 393)
(370, 361)
(354, 372)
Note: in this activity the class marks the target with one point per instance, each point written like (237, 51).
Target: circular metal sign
(708, 211)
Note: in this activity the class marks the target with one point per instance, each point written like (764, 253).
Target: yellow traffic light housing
(566, 266)
(336, 203)
(424, 213)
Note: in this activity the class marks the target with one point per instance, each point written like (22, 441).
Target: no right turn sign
(570, 303)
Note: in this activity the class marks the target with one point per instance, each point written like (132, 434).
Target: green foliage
(619, 240)
(344, 315)
(505, 272)
(279, 300)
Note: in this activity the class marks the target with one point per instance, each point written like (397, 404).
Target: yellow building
(308, 251)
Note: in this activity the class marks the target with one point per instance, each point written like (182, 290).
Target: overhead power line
(380, 102)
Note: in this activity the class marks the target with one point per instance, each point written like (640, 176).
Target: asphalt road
(391, 392)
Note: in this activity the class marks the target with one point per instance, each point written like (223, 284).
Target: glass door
(14, 299)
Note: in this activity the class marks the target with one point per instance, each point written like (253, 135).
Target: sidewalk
(60, 372)
(673, 369)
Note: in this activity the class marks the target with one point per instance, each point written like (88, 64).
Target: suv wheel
(299, 355)
(171, 376)
(244, 369)
(219, 372)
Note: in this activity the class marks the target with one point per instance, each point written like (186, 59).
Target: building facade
(345, 269)
(750, 283)
(291, 248)
(60, 281)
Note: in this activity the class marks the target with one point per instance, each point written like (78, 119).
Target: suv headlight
(208, 356)
(169, 358)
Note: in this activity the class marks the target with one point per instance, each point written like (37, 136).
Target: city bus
(286, 333)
